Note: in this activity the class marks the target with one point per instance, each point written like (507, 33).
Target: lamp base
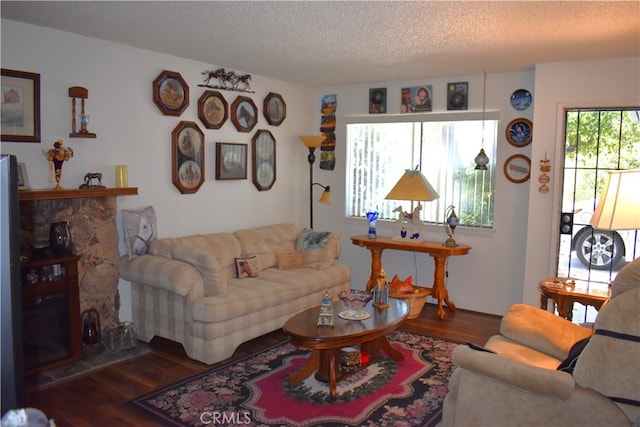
(450, 243)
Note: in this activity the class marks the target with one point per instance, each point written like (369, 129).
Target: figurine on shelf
(88, 180)
(56, 157)
(381, 291)
(325, 318)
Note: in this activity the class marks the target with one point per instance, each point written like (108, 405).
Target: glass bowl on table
(354, 301)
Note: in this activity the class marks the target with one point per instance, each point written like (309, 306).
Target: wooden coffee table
(326, 341)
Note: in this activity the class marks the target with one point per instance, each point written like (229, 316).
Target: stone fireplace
(91, 214)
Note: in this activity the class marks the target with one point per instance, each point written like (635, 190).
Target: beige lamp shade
(619, 204)
(412, 186)
(312, 141)
(326, 196)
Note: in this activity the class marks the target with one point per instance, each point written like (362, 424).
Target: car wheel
(600, 250)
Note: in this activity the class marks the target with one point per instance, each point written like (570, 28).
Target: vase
(60, 238)
(372, 217)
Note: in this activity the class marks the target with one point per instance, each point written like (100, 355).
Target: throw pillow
(247, 267)
(569, 363)
(310, 239)
(289, 259)
(140, 229)
(325, 257)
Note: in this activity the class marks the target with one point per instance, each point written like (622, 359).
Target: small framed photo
(244, 114)
(457, 96)
(20, 113)
(416, 99)
(213, 109)
(23, 178)
(274, 109)
(378, 100)
(187, 141)
(231, 161)
(170, 93)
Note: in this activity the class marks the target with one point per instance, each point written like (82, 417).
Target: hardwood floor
(100, 398)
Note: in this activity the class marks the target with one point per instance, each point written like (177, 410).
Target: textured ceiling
(319, 43)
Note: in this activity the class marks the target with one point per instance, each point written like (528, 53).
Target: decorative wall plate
(213, 109)
(274, 109)
(244, 114)
(170, 93)
(521, 99)
(517, 168)
(264, 160)
(519, 132)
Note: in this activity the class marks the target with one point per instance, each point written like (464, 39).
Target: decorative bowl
(355, 300)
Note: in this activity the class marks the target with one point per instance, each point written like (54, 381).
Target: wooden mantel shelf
(51, 194)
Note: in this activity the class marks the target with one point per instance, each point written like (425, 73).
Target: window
(379, 153)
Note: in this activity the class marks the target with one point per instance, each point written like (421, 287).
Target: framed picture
(517, 168)
(244, 114)
(231, 160)
(213, 109)
(274, 109)
(187, 143)
(263, 153)
(457, 98)
(519, 132)
(170, 93)
(378, 100)
(23, 178)
(416, 99)
(20, 114)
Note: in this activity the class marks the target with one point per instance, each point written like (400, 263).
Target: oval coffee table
(326, 341)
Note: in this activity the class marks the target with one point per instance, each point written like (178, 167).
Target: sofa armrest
(533, 379)
(171, 275)
(541, 330)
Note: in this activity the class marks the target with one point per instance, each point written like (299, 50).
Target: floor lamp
(312, 142)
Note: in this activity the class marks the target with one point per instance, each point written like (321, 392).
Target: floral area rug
(254, 391)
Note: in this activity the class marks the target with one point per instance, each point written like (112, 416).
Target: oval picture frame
(274, 109)
(519, 132)
(244, 114)
(213, 109)
(187, 143)
(170, 93)
(517, 168)
(263, 153)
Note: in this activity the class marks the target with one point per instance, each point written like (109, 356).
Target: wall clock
(170, 93)
(213, 109)
(187, 141)
(244, 114)
(263, 152)
(274, 109)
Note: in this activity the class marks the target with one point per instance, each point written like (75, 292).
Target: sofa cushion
(289, 259)
(311, 239)
(323, 257)
(304, 281)
(213, 255)
(626, 279)
(263, 242)
(247, 267)
(140, 229)
(161, 247)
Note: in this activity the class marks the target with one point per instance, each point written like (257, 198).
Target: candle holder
(451, 221)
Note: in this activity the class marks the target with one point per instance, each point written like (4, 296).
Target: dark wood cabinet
(52, 328)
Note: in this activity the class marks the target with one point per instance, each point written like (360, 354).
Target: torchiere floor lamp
(312, 142)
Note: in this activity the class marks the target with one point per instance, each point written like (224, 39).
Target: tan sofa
(187, 289)
(520, 385)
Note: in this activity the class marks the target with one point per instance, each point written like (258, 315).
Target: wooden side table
(565, 292)
(437, 250)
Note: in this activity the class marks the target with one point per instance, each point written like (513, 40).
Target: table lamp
(412, 186)
(619, 204)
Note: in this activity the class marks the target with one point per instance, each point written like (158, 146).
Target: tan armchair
(518, 383)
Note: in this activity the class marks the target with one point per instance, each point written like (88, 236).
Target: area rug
(254, 391)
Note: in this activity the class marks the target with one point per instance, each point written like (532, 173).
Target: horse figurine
(410, 218)
(243, 79)
(88, 180)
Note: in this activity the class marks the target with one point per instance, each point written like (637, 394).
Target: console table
(435, 249)
(565, 292)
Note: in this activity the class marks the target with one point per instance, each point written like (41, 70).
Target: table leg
(333, 390)
(312, 364)
(376, 266)
(439, 289)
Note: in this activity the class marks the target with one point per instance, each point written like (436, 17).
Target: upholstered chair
(514, 379)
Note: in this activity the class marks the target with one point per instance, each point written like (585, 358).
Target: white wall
(504, 265)
(131, 130)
